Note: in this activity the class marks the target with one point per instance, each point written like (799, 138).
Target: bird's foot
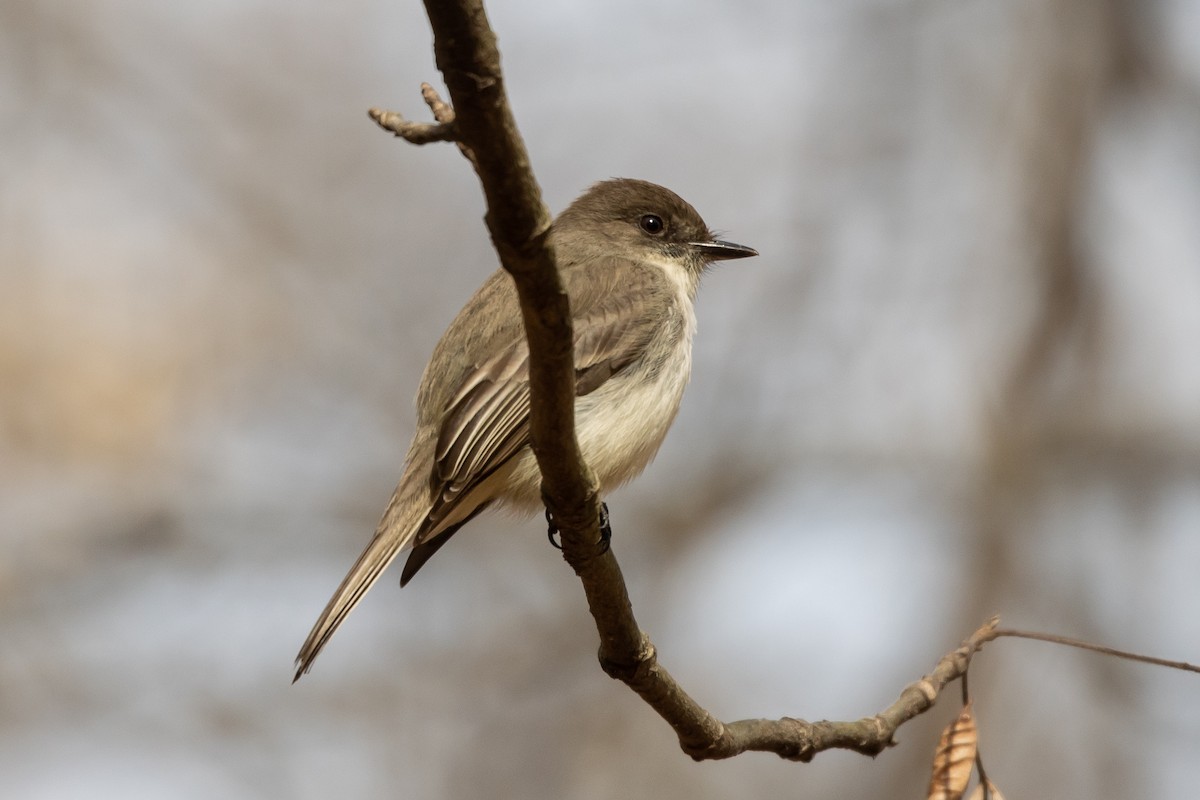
(605, 529)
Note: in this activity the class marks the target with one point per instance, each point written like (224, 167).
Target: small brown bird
(630, 254)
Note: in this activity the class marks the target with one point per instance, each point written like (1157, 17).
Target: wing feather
(486, 422)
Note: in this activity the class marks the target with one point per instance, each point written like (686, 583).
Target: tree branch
(466, 53)
(424, 132)
(482, 125)
(797, 740)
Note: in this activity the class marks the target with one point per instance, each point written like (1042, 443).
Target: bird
(630, 254)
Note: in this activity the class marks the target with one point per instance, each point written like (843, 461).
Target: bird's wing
(487, 421)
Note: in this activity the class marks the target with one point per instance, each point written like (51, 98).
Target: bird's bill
(717, 250)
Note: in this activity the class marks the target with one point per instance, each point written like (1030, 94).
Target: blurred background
(963, 378)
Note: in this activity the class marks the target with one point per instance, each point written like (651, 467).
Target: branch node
(800, 746)
(927, 689)
(631, 672)
(706, 748)
(883, 731)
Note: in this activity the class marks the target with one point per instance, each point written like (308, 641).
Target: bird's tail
(405, 515)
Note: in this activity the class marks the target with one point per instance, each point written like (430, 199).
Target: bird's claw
(605, 530)
(552, 530)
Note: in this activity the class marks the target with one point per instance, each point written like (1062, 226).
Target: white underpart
(641, 408)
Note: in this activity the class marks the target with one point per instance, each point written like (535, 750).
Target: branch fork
(442, 129)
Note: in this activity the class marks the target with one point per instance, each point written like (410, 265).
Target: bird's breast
(623, 423)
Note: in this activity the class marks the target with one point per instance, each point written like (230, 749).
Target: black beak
(720, 251)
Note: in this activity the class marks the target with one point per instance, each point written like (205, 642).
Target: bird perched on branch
(630, 254)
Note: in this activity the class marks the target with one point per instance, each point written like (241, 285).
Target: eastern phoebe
(631, 255)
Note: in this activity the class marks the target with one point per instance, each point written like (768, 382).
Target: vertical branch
(466, 53)
(517, 219)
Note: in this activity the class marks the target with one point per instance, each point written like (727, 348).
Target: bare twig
(414, 132)
(1096, 648)
(798, 740)
(442, 111)
(442, 130)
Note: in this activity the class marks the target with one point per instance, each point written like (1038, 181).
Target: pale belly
(620, 428)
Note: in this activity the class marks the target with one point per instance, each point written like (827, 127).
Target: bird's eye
(652, 224)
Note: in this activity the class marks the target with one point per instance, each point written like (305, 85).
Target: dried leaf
(955, 758)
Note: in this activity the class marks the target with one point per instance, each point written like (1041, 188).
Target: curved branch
(482, 124)
(703, 737)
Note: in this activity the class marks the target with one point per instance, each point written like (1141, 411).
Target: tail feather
(424, 548)
(401, 523)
